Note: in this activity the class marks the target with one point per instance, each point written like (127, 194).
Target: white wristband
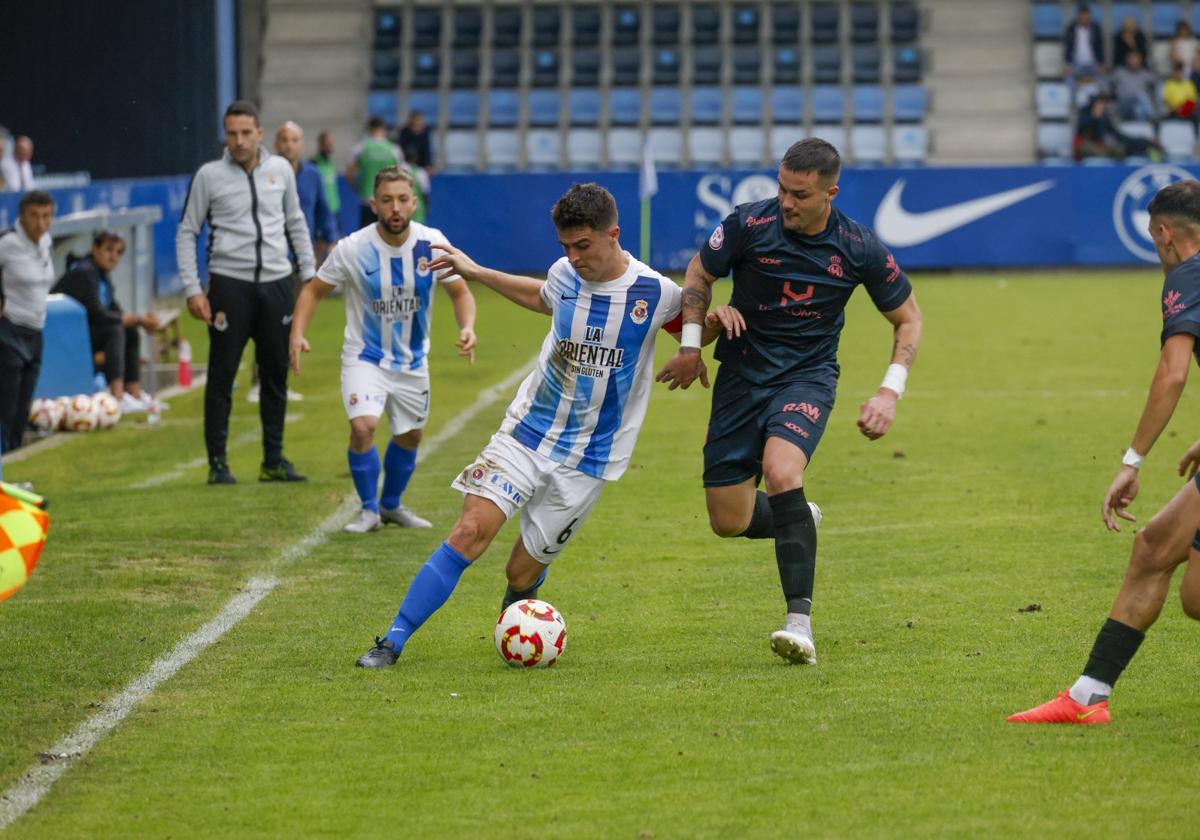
(691, 335)
(1133, 459)
(895, 378)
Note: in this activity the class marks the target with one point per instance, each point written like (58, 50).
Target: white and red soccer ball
(108, 410)
(46, 415)
(81, 414)
(531, 634)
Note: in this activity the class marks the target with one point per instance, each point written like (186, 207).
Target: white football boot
(367, 521)
(403, 517)
(794, 644)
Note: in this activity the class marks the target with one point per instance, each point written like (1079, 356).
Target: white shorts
(368, 389)
(554, 500)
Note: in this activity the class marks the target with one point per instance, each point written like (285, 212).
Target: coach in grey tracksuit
(249, 200)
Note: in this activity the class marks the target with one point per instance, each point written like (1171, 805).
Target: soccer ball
(46, 415)
(531, 634)
(81, 414)
(23, 530)
(108, 410)
(64, 404)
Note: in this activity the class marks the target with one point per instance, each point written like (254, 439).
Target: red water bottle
(185, 363)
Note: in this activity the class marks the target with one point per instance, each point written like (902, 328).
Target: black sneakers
(283, 471)
(383, 655)
(218, 473)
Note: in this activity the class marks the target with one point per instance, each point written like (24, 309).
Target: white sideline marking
(39, 778)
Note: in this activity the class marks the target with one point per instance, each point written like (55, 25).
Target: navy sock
(762, 523)
(511, 596)
(398, 466)
(364, 469)
(1116, 643)
(795, 548)
(428, 591)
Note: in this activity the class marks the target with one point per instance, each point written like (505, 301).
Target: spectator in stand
(1183, 45)
(329, 176)
(17, 171)
(416, 141)
(289, 144)
(1129, 39)
(114, 332)
(1133, 87)
(1083, 45)
(373, 154)
(1179, 94)
(26, 275)
(1098, 134)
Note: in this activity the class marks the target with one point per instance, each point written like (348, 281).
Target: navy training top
(1181, 302)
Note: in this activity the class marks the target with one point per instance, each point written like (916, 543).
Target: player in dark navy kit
(1170, 537)
(795, 262)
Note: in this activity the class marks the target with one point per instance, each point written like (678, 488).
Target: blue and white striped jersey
(584, 402)
(388, 293)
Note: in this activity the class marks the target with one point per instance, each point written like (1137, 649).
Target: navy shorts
(744, 415)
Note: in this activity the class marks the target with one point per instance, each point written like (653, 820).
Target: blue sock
(398, 466)
(427, 592)
(364, 469)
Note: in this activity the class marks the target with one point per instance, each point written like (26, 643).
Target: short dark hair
(103, 237)
(585, 205)
(242, 108)
(375, 122)
(1180, 200)
(393, 173)
(35, 198)
(813, 154)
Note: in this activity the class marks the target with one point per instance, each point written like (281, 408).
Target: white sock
(799, 621)
(1086, 688)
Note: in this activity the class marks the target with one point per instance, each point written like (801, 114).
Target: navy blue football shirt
(1181, 301)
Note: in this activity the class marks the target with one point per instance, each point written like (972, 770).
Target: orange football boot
(1062, 709)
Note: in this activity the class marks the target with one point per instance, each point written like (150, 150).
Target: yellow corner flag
(24, 524)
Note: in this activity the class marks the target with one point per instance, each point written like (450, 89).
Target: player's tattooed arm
(906, 331)
(877, 413)
(686, 365)
(697, 292)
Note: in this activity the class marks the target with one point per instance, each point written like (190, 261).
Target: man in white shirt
(17, 171)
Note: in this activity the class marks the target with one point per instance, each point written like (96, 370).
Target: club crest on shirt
(835, 266)
(718, 238)
(220, 322)
(640, 311)
(353, 399)
(423, 265)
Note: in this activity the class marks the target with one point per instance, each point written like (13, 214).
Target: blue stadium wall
(931, 218)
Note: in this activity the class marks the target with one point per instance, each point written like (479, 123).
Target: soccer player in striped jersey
(386, 273)
(575, 419)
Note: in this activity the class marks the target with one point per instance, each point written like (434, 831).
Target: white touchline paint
(40, 777)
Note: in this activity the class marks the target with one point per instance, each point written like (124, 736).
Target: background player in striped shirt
(386, 272)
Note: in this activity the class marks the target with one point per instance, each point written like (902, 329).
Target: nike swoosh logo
(900, 228)
(548, 551)
(1085, 715)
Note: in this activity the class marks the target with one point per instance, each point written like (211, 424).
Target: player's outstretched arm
(683, 368)
(464, 316)
(1169, 378)
(523, 291)
(306, 304)
(877, 413)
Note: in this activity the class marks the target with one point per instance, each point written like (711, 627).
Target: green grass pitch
(667, 716)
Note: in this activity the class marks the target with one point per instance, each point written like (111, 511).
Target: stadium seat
(501, 150)
(827, 65)
(745, 24)
(1053, 101)
(707, 103)
(664, 24)
(385, 70)
(426, 70)
(464, 69)
(624, 106)
(666, 66)
(1054, 140)
(868, 144)
(666, 106)
(503, 108)
(1160, 57)
(543, 148)
(666, 146)
(626, 66)
(706, 66)
(428, 102)
(746, 146)
(544, 106)
(427, 26)
(545, 68)
(787, 65)
(506, 68)
(906, 23)
(828, 104)
(780, 139)
(864, 23)
(585, 26)
(785, 23)
(1144, 130)
(468, 24)
(547, 21)
(834, 135)
(746, 105)
(1047, 21)
(865, 63)
(824, 22)
(747, 65)
(584, 148)
(1117, 13)
(908, 103)
(1163, 19)
(383, 104)
(705, 146)
(867, 103)
(583, 107)
(787, 105)
(626, 25)
(706, 24)
(585, 67)
(462, 149)
(624, 147)
(462, 107)
(1195, 17)
(907, 65)
(1048, 60)
(387, 27)
(1178, 138)
(910, 144)
(506, 26)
